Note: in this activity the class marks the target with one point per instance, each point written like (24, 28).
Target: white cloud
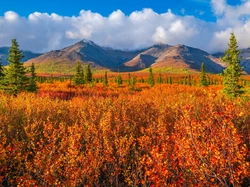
(234, 19)
(42, 32)
(160, 35)
(219, 6)
(11, 16)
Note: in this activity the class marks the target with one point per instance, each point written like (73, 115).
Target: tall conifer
(234, 70)
(79, 76)
(159, 80)
(203, 76)
(32, 87)
(88, 74)
(1, 70)
(15, 79)
(151, 80)
(105, 81)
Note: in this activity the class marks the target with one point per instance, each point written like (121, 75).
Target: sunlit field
(125, 93)
(172, 134)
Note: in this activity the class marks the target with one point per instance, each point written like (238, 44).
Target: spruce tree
(208, 80)
(129, 79)
(15, 79)
(119, 80)
(32, 87)
(1, 73)
(166, 80)
(88, 74)
(79, 75)
(203, 76)
(142, 80)
(233, 71)
(1, 70)
(189, 80)
(185, 81)
(97, 80)
(170, 80)
(133, 81)
(159, 80)
(151, 80)
(105, 81)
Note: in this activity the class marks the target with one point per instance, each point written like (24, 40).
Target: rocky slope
(157, 56)
(86, 52)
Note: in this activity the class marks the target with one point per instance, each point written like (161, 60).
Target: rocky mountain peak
(87, 42)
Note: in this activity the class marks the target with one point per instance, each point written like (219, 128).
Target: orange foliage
(168, 135)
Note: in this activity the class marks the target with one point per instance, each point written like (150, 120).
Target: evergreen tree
(15, 79)
(88, 74)
(233, 71)
(215, 81)
(170, 80)
(97, 80)
(194, 83)
(245, 82)
(185, 81)
(105, 81)
(79, 75)
(129, 79)
(203, 76)
(208, 80)
(142, 80)
(119, 80)
(151, 80)
(1, 73)
(32, 87)
(159, 80)
(133, 81)
(1, 70)
(189, 80)
(166, 80)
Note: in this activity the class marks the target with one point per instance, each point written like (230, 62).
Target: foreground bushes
(166, 136)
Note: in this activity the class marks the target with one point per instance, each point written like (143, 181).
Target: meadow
(172, 134)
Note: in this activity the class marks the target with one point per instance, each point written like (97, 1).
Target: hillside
(27, 55)
(157, 56)
(245, 59)
(146, 58)
(64, 60)
(163, 57)
(181, 56)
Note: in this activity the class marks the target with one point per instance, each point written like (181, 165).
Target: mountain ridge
(156, 56)
(27, 55)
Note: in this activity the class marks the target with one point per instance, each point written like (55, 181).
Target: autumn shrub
(168, 135)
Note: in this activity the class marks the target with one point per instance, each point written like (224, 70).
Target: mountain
(181, 56)
(178, 57)
(146, 58)
(27, 55)
(85, 51)
(161, 56)
(157, 56)
(245, 60)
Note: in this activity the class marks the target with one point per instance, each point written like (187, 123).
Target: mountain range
(158, 56)
(27, 55)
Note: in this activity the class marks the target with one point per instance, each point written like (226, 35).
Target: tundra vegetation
(125, 130)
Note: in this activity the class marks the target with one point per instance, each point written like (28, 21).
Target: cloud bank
(42, 32)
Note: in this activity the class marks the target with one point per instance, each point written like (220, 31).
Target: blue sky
(52, 24)
(197, 8)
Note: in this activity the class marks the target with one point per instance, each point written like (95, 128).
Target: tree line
(16, 78)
